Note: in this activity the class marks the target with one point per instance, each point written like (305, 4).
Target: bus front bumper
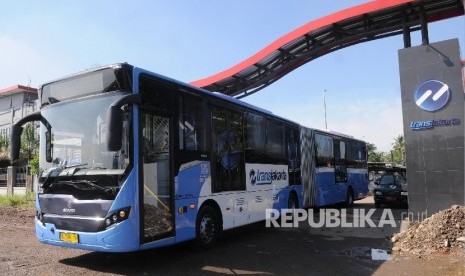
(122, 237)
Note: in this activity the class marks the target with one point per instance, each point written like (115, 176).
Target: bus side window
(363, 155)
(191, 124)
(275, 140)
(228, 149)
(156, 94)
(340, 161)
(324, 151)
(351, 154)
(293, 155)
(255, 145)
(292, 150)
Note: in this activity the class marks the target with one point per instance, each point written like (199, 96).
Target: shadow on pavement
(258, 250)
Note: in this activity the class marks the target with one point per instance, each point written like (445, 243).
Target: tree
(4, 143)
(4, 151)
(34, 164)
(29, 148)
(398, 150)
(373, 155)
(29, 141)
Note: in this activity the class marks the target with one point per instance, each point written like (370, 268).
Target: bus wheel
(292, 202)
(207, 228)
(350, 198)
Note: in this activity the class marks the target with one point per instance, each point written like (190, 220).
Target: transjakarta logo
(419, 125)
(259, 175)
(432, 95)
(266, 177)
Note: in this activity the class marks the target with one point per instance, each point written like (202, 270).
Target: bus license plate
(69, 237)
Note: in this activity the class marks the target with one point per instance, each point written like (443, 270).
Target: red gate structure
(362, 23)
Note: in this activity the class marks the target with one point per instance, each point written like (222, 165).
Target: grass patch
(17, 200)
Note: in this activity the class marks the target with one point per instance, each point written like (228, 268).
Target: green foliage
(17, 200)
(29, 141)
(376, 157)
(4, 143)
(396, 155)
(34, 164)
(29, 147)
(373, 155)
(4, 151)
(398, 150)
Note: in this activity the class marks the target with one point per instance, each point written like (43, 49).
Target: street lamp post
(324, 103)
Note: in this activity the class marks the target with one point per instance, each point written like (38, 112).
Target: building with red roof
(16, 102)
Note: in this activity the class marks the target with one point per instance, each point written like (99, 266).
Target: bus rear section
(334, 168)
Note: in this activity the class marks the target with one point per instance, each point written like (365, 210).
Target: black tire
(207, 228)
(349, 198)
(377, 204)
(292, 202)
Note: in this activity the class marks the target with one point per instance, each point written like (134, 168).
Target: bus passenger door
(155, 151)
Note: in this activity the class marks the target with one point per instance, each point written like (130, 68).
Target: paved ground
(254, 249)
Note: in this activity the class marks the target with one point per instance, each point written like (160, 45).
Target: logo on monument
(432, 95)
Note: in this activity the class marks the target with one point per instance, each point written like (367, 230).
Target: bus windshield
(78, 136)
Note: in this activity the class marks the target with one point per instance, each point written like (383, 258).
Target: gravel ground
(251, 250)
(440, 233)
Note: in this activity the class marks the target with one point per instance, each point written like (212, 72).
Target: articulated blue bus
(131, 160)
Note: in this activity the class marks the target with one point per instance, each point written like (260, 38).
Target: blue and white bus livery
(131, 160)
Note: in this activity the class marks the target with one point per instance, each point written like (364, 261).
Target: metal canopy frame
(367, 22)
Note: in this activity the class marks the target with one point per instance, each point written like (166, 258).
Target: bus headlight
(115, 217)
(404, 193)
(378, 193)
(122, 214)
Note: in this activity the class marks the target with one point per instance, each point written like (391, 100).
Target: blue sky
(189, 40)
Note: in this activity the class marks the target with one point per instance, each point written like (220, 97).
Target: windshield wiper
(55, 171)
(75, 165)
(87, 182)
(51, 100)
(76, 184)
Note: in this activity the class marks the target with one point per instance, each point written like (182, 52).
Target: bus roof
(335, 133)
(208, 93)
(221, 96)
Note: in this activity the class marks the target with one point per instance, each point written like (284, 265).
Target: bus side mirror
(17, 129)
(48, 146)
(115, 121)
(15, 142)
(115, 128)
